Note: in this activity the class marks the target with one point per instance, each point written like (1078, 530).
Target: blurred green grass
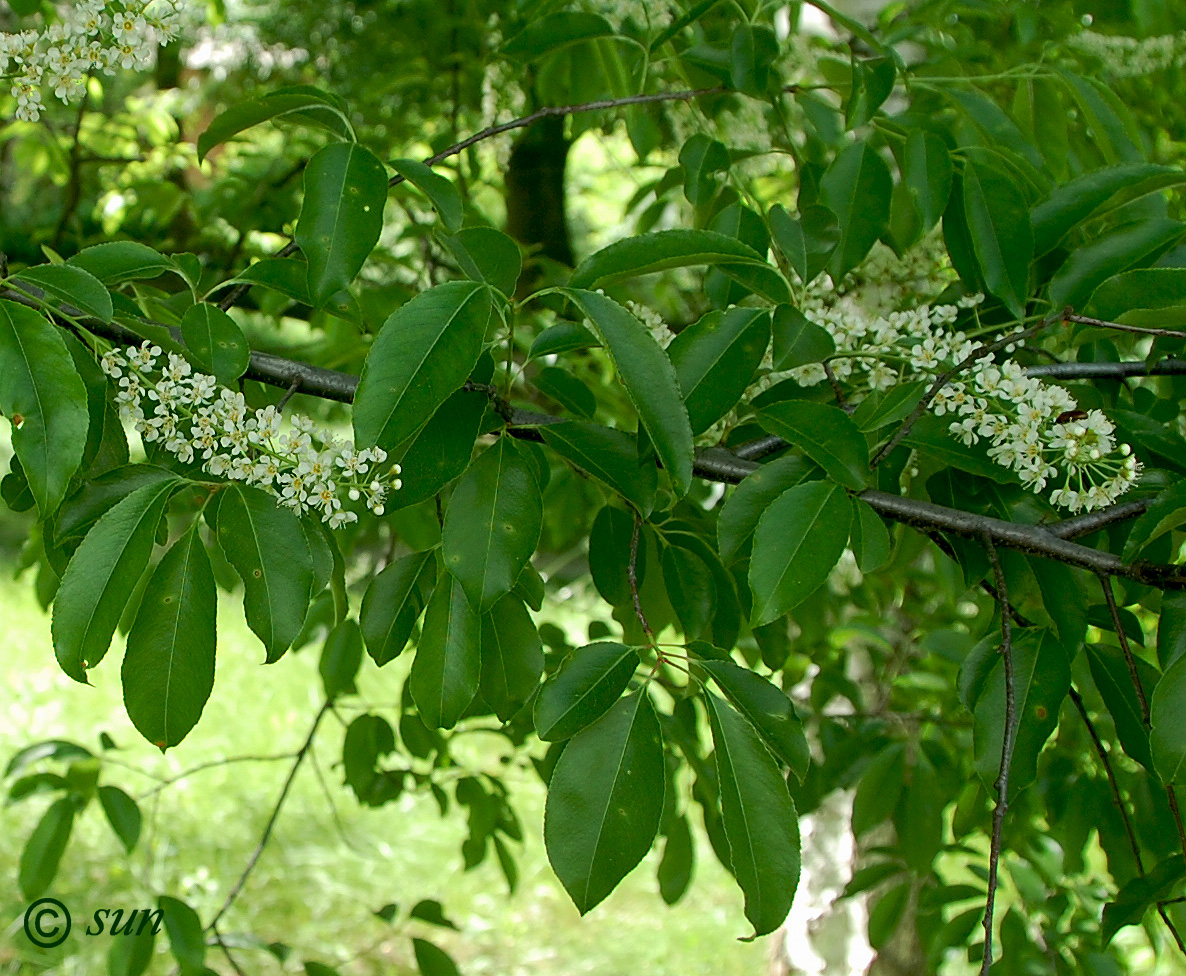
(330, 863)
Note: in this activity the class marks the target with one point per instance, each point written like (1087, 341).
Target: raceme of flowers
(1034, 429)
(196, 420)
(91, 36)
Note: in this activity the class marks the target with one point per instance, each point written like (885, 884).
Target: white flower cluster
(91, 36)
(1034, 429)
(1132, 57)
(194, 419)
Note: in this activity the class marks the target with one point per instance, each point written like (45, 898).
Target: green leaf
(123, 814)
(877, 411)
(447, 667)
(1094, 195)
(43, 850)
(1101, 112)
(368, 738)
(118, 261)
(700, 158)
(571, 393)
(744, 507)
(1165, 513)
(432, 960)
(1171, 629)
(286, 276)
(610, 456)
(488, 255)
(754, 50)
(1041, 680)
(440, 450)
(341, 217)
(806, 241)
(886, 914)
(927, 174)
(760, 819)
(679, 858)
(650, 381)
(1110, 672)
(797, 542)
(929, 436)
(216, 342)
(561, 338)
(493, 523)
(132, 953)
(1002, 239)
(715, 360)
(341, 658)
(1167, 740)
(1087, 266)
(512, 657)
(826, 434)
(556, 30)
(168, 669)
(265, 544)
(872, 83)
(393, 602)
(421, 356)
(87, 505)
(798, 340)
(102, 575)
(300, 103)
(443, 194)
(44, 398)
(659, 251)
(879, 788)
(870, 538)
(70, 284)
(609, 555)
(767, 708)
(1140, 894)
(588, 683)
(605, 800)
(187, 938)
(857, 188)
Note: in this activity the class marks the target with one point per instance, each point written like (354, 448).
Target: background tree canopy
(826, 360)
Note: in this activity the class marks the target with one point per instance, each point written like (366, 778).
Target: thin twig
(632, 576)
(1007, 740)
(267, 833)
(1114, 611)
(165, 782)
(1121, 327)
(226, 950)
(288, 394)
(837, 389)
(946, 548)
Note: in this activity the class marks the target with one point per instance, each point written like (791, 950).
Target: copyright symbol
(47, 923)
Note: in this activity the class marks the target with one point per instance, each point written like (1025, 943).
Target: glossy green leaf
(187, 938)
(393, 602)
(512, 657)
(341, 217)
(744, 507)
(760, 819)
(857, 189)
(715, 360)
(927, 174)
(565, 389)
(1112, 677)
(1105, 115)
(1140, 894)
(168, 668)
(70, 284)
(826, 434)
(610, 456)
(493, 523)
(1167, 740)
(609, 555)
(650, 381)
(1171, 629)
(443, 194)
(286, 276)
(930, 437)
(872, 83)
(1096, 194)
(1063, 599)
(43, 397)
(118, 261)
(886, 914)
(60, 750)
(264, 542)
(660, 251)
(753, 50)
(216, 342)
(488, 255)
(132, 953)
(368, 739)
(798, 540)
(1002, 238)
(767, 708)
(679, 859)
(558, 29)
(422, 355)
(797, 340)
(563, 337)
(605, 800)
(102, 575)
(870, 538)
(691, 589)
(43, 850)
(877, 410)
(301, 103)
(701, 158)
(123, 814)
(432, 960)
(440, 450)
(447, 667)
(1109, 254)
(1165, 513)
(586, 686)
(808, 240)
(87, 505)
(879, 788)
(341, 657)
(1041, 680)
